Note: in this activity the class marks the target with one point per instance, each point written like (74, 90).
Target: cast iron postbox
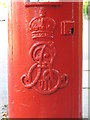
(45, 59)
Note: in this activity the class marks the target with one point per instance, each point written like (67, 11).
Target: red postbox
(45, 60)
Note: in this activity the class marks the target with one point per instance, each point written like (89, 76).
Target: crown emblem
(42, 26)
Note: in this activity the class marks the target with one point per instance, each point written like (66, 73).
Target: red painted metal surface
(45, 60)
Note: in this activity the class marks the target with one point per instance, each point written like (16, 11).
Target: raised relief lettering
(41, 75)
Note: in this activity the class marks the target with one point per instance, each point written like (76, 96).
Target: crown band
(42, 35)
